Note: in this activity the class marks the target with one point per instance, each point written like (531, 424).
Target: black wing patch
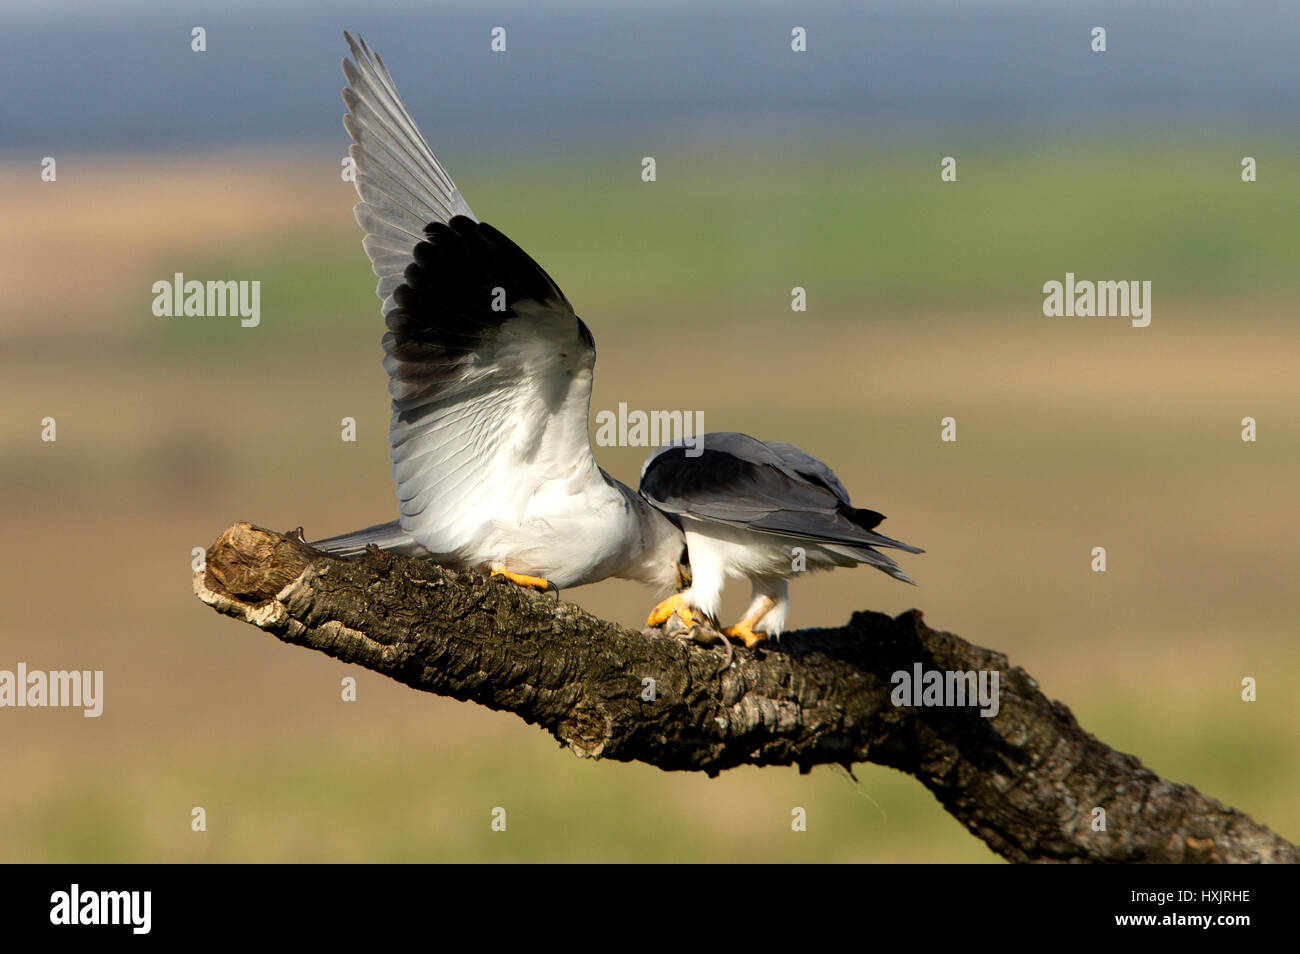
(465, 280)
(451, 295)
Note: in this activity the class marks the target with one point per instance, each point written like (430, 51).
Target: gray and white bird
(490, 374)
(760, 510)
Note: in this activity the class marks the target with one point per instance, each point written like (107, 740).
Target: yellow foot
(673, 606)
(539, 582)
(746, 635)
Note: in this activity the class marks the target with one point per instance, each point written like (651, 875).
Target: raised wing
(489, 368)
(772, 488)
(402, 185)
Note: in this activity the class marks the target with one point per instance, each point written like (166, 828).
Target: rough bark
(1025, 781)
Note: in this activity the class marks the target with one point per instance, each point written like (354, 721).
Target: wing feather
(402, 185)
(767, 487)
(489, 368)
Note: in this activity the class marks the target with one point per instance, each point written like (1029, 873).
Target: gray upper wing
(808, 466)
(740, 481)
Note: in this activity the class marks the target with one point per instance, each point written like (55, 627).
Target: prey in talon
(675, 608)
(764, 511)
(683, 624)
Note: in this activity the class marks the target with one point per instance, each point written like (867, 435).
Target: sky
(123, 75)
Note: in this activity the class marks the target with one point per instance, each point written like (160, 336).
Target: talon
(745, 634)
(535, 582)
(673, 606)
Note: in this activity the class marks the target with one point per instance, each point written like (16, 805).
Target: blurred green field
(924, 302)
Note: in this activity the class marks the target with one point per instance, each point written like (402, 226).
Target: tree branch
(1026, 781)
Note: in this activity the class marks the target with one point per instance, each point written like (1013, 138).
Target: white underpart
(767, 560)
(504, 475)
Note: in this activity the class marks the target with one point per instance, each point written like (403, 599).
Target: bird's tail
(386, 536)
(868, 520)
(874, 558)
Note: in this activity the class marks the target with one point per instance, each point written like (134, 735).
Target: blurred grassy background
(924, 302)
